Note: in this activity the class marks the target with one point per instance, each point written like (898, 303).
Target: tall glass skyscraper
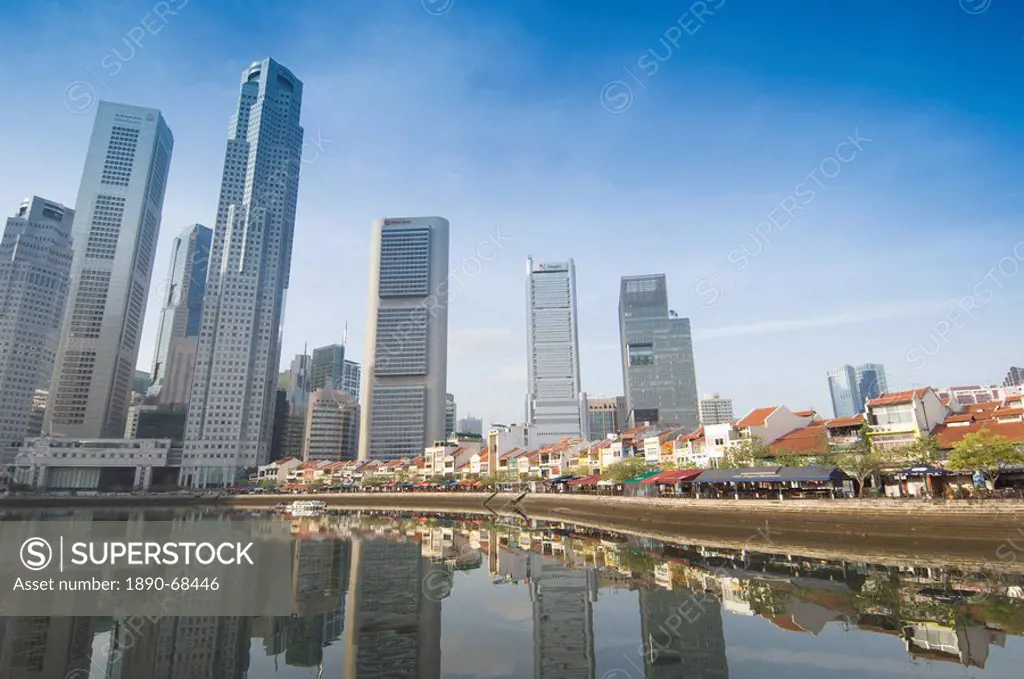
(657, 355)
(403, 400)
(231, 408)
(331, 370)
(850, 386)
(35, 269)
(178, 335)
(117, 223)
(555, 404)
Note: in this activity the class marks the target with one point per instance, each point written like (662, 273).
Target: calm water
(431, 596)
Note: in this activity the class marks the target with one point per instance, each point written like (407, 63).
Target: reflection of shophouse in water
(45, 648)
(966, 645)
(563, 623)
(682, 635)
(393, 616)
(191, 647)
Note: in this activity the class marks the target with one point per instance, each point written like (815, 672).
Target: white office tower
(35, 266)
(117, 223)
(555, 404)
(231, 408)
(403, 399)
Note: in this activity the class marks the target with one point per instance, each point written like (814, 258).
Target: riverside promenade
(979, 532)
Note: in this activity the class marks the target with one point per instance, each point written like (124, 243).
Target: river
(391, 595)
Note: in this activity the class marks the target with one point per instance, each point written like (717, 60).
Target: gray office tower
(657, 355)
(682, 635)
(177, 338)
(35, 268)
(231, 407)
(117, 224)
(850, 386)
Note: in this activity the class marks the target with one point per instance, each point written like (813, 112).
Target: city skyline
(743, 318)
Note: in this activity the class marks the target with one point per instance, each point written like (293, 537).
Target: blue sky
(547, 123)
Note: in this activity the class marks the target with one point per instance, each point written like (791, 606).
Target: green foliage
(985, 451)
(924, 449)
(745, 453)
(628, 468)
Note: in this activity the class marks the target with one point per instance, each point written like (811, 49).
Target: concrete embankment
(972, 534)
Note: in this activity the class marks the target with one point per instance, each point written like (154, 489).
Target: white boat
(307, 507)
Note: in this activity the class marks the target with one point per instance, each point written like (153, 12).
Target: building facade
(715, 410)
(35, 269)
(471, 425)
(403, 398)
(555, 402)
(332, 426)
(607, 415)
(231, 407)
(451, 412)
(657, 355)
(850, 386)
(351, 375)
(116, 227)
(1014, 377)
(182, 293)
(327, 367)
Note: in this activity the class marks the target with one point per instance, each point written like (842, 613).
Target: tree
(924, 449)
(627, 468)
(860, 462)
(744, 453)
(987, 452)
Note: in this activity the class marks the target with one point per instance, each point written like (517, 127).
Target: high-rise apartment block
(403, 395)
(117, 223)
(657, 355)
(555, 403)
(715, 410)
(607, 415)
(332, 426)
(35, 268)
(177, 337)
(231, 407)
(451, 412)
(850, 386)
(1014, 377)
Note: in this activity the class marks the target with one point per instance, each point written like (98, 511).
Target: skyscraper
(607, 415)
(563, 619)
(178, 335)
(850, 386)
(1014, 377)
(715, 410)
(403, 401)
(682, 635)
(471, 425)
(120, 201)
(331, 370)
(35, 266)
(555, 403)
(331, 429)
(657, 355)
(231, 408)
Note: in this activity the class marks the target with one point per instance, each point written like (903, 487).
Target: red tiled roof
(898, 397)
(947, 437)
(804, 441)
(755, 417)
(692, 436)
(1008, 412)
(962, 417)
(806, 413)
(515, 452)
(852, 421)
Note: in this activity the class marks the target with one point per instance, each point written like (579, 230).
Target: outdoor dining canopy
(675, 476)
(754, 481)
(586, 480)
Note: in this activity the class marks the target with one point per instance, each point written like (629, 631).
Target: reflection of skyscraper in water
(563, 620)
(189, 647)
(393, 616)
(682, 636)
(45, 648)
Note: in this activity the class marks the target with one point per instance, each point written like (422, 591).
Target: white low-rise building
(55, 463)
(277, 471)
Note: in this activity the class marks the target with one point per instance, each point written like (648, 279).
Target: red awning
(586, 480)
(675, 476)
